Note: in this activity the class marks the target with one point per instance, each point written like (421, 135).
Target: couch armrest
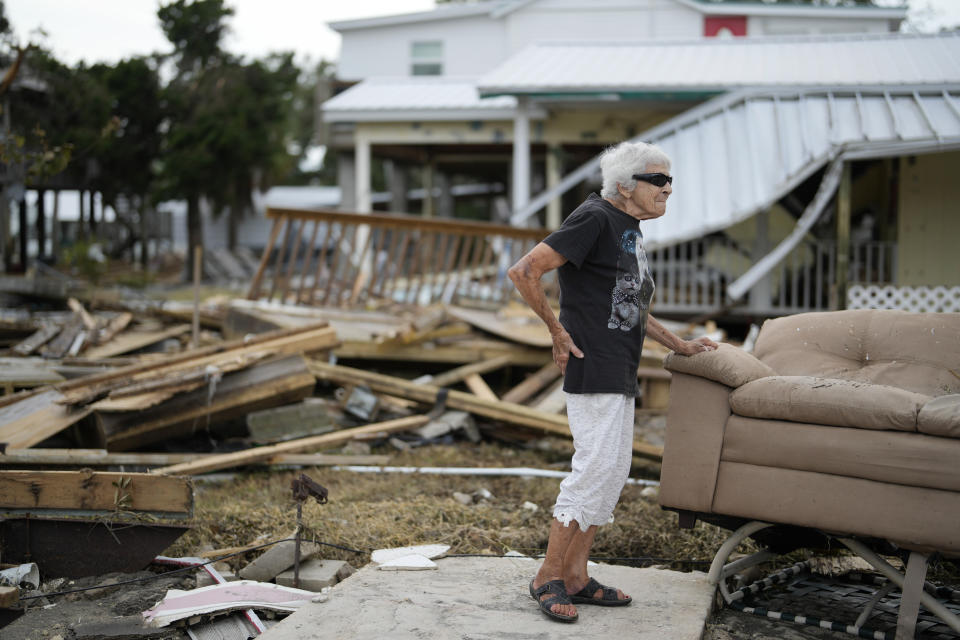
(727, 365)
(696, 421)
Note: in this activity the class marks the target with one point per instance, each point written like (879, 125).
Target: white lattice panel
(919, 299)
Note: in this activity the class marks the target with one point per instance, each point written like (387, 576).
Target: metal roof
(447, 12)
(499, 8)
(715, 65)
(390, 99)
(761, 8)
(739, 153)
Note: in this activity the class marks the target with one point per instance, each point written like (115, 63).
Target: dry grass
(368, 511)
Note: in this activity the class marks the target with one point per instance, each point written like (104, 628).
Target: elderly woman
(605, 292)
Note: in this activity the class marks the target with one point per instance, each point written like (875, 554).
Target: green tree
(189, 164)
(130, 146)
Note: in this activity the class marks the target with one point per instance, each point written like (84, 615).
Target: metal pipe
(479, 471)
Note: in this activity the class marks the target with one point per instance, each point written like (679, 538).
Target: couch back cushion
(919, 352)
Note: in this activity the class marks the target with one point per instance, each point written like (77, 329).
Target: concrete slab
(487, 598)
(316, 574)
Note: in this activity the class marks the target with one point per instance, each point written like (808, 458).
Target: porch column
(55, 227)
(521, 156)
(364, 196)
(399, 185)
(554, 175)
(364, 201)
(445, 200)
(41, 224)
(5, 248)
(429, 168)
(347, 179)
(761, 294)
(24, 231)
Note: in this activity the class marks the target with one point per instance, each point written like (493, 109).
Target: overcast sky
(110, 30)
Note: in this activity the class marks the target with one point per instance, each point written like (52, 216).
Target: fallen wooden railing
(333, 258)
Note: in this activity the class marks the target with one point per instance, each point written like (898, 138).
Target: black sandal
(607, 599)
(560, 596)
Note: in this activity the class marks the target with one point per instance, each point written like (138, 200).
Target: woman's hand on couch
(697, 345)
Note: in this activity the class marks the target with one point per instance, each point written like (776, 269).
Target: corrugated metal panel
(738, 154)
(702, 65)
(412, 94)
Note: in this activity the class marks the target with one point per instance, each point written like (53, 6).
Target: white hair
(620, 162)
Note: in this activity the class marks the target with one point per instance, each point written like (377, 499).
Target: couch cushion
(829, 401)
(910, 459)
(941, 417)
(727, 365)
(918, 352)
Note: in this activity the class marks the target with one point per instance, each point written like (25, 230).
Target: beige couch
(842, 422)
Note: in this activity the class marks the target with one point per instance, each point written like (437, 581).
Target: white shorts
(602, 428)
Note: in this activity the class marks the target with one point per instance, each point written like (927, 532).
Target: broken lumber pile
(313, 443)
(114, 521)
(150, 401)
(508, 412)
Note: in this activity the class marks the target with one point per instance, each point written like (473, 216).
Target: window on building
(426, 58)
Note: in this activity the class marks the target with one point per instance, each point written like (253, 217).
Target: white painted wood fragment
(381, 556)
(412, 562)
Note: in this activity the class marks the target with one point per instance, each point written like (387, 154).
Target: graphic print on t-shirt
(633, 290)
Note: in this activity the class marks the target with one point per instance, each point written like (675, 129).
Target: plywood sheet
(525, 329)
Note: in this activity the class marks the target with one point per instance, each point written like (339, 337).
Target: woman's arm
(526, 276)
(672, 341)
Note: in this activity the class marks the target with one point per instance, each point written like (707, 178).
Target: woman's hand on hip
(563, 347)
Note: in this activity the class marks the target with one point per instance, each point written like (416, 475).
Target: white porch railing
(692, 277)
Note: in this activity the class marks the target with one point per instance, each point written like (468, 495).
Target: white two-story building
(770, 110)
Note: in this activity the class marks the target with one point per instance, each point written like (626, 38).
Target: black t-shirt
(605, 292)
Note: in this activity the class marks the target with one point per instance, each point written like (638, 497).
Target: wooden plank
(133, 340)
(479, 387)
(313, 443)
(281, 342)
(525, 330)
(258, 276)
(36, 340)
(61, 345)
(498, 410)
(552, 401)
(94, 491)
(115, 326)
(34, 419)
(401, 221)
(89, 322)
(464, 372)
(268, 384)
(103, 458)
(27, 372)
(533, 383)
(457, 353)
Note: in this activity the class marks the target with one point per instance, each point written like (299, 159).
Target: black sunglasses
(657, 179)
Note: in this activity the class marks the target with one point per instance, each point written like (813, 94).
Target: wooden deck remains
(334, 258)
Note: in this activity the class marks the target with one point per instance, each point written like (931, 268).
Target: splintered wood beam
(533, 383)
(466, 371)
(498, 410)
(313, 443)
(104, 458)
(94, 491)
(479, 387)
